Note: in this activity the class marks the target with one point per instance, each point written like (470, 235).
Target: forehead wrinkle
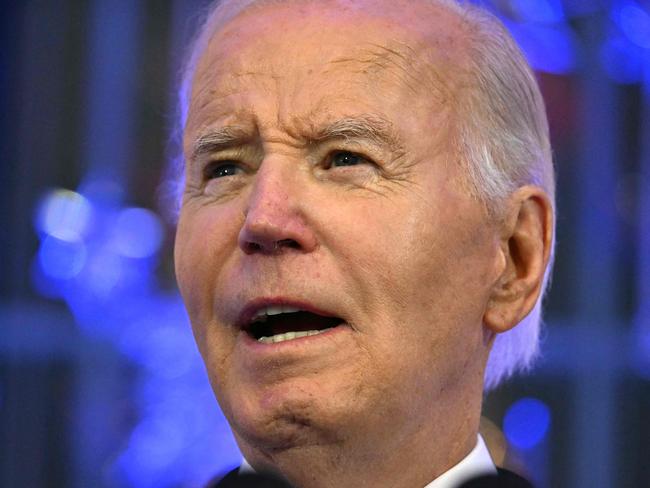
(211, 100)
(410, 66)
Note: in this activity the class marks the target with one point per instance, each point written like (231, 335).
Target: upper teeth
(260, 315)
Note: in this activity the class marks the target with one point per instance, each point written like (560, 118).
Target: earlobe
(526, 242)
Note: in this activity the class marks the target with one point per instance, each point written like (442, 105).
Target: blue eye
(346, 158)
(221, 170)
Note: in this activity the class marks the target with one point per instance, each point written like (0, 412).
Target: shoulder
(223, 479)
(235, 479)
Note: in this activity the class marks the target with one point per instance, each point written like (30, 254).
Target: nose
(275, 214)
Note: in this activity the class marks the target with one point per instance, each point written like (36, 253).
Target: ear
(525, 248)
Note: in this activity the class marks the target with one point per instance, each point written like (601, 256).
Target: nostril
(252, 247)
(287, 243)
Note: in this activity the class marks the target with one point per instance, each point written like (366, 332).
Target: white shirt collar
(478, 462)
(245, 467)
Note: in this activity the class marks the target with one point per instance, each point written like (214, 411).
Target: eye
(221, 169)
(346, 158)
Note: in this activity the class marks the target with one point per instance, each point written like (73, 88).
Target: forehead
(433, 20)
(412, 48)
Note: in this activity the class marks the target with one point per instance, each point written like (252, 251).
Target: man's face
(319, 179)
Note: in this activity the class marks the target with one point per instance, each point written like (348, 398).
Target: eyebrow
(219, 139)
(376, 129)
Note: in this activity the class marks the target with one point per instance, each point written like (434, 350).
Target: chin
(282, 417)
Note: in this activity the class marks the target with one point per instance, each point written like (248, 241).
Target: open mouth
(279, 324)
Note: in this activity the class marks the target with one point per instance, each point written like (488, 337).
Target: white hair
(502, 139)
(500, 135)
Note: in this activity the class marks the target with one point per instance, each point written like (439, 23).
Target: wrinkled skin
(383, 235)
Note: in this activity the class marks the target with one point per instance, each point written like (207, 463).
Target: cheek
(198, 253)
(182, 258)
(390, 254)
(201, 240)
(422, 269)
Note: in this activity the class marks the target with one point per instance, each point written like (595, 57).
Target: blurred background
(100, 381)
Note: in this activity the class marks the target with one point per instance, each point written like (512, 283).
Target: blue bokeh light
(104, 272)
(43, 284)
(61, 260)
(103, 193)
(138, 233)
(63, 214)
(574, 8)
(151, 451)
(543, 11)
(177, 440)
(526, 423)
(622, 61)
(548, 48)
(634, 21)
(168, 350)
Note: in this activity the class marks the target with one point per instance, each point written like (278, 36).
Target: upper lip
(252, 307)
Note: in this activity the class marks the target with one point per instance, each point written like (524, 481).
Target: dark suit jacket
(233, 479)
(503, 479)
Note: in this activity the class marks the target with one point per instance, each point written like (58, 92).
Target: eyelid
(214, 164)
(235, 155)
(361, 155)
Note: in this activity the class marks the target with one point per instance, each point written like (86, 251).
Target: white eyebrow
(369, 127)
(366, 127)
(218, 139)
